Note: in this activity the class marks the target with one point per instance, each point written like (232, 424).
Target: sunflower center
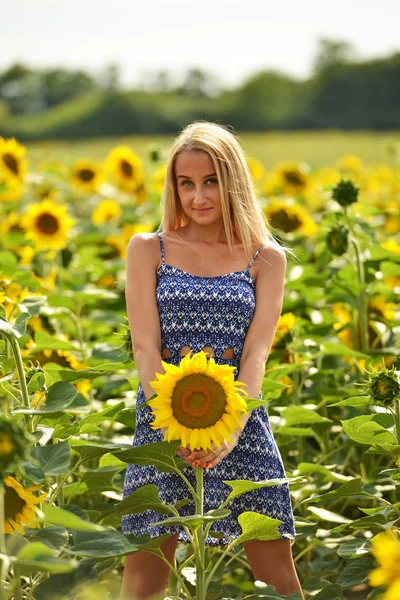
(47, 223)
(285, 221)
(86, 174)
(11, 162)
(198, 401)
(126, 168)
(294, 178)
(14, 504)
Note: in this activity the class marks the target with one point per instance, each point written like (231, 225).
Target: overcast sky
(232, 38)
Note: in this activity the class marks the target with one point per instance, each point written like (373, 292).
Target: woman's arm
(141, 303)
(260, 335)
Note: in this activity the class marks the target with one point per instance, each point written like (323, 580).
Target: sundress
(214, 311)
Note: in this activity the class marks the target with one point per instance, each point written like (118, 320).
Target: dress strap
(161, 246)
(254, 257)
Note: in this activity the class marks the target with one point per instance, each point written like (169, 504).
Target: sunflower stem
(201, 588)
(3, 565)
(22, 381)
(362, 300)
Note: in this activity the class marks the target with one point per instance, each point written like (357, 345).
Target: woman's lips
(202, 210)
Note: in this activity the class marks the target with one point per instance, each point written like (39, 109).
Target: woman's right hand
(182, 452)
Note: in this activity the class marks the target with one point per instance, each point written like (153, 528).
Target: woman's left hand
(208, 459)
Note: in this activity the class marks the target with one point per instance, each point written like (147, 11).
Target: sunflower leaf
(144, 498)
(159, 454)
(242, 486)
(195, 520)
(36, 556)
(258, 527)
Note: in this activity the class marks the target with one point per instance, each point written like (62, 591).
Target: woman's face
(198, 186)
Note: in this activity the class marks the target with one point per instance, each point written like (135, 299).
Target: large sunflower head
(20, 505)
(86, 176)
(12, 160)
(198, 402)
(48, 225)
(126, 167)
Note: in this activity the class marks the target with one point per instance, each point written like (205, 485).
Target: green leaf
(242, 486)
(159, 454)
(44, 340)
(306, 468)
(102, 544)
(299, 415)
(354, 548)
(59, 397)
(195, 521)
(144, 498)
(258, 527)
(33, 472)
(54, 459)
(353, 401)
(59, 516)
(99, 480)
(54, 536)
(107, 413)
(335, 349)
(295, 431)
(355, 572)
(327, 515)
(63, 431)
(9, 331)
(88, 451)
(350, 488)
(39, 557)
(370, 429)
(62, 374)
(36, 382)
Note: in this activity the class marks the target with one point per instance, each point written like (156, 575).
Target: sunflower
(121, 240)
(106, 211)
(385, 547)
(289, 217)
(284, 330)
(20, 505)
(256, 169)
(126, 167)
(287, 178)
(12, 161)
(86, 176)
(158, 178)
(10, 188)
(199, 402)
(350, 163)
(48, 225)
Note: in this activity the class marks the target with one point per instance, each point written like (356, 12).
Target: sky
(230, 38)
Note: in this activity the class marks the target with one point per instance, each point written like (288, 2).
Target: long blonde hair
(241, 210)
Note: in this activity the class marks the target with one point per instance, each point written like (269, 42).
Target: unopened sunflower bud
(384, 387)
(337, 240)
(345, 192)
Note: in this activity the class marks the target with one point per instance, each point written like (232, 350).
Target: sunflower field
(68, 380)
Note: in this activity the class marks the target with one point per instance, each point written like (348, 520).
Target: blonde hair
(241, 210)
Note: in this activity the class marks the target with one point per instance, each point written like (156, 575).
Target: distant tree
(197, 82)
(331, 53)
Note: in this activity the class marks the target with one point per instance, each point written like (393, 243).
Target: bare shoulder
(144, 248)
(272, 261)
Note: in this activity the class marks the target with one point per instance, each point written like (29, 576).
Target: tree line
(342, 92)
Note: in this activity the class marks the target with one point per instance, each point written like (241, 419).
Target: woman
(188, 288)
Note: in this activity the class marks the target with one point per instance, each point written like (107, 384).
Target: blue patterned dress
(197, 312)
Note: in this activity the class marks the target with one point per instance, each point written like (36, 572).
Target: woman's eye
(213, 180)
